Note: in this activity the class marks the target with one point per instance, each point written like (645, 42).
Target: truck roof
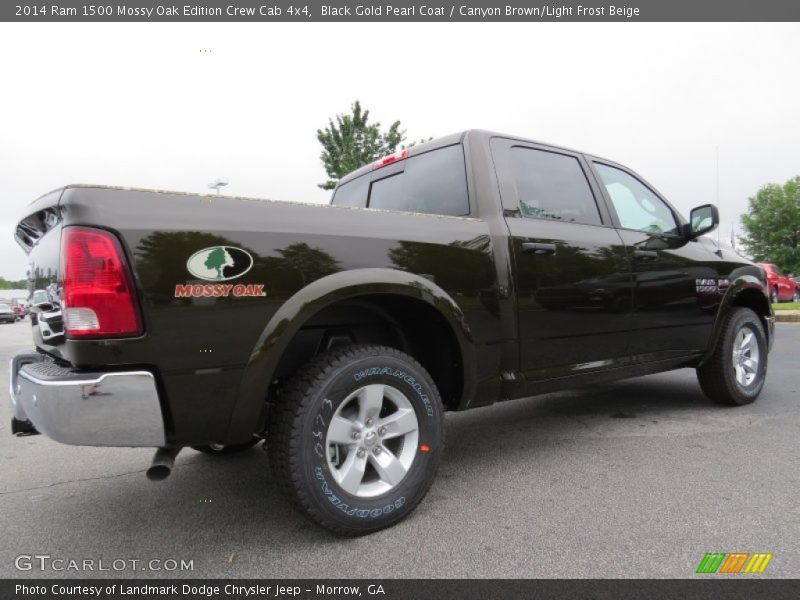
(448, 140)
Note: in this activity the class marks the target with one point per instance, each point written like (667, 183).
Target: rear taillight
(98, 293)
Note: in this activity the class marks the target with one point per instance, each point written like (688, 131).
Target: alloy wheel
(371, 440)
(745, 356)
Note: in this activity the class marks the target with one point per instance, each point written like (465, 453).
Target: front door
(677, 282)
(572, 276)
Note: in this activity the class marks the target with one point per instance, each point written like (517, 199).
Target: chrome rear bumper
(86, 409)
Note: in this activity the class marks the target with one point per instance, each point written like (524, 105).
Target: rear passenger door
(572, 278)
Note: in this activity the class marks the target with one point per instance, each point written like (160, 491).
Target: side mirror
(702, 219)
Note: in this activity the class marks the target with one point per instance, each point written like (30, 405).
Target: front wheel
(736, 371)
(796, 296)
(355, 438)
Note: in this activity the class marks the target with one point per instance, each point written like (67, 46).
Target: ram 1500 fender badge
(712, 285)
(219, 263)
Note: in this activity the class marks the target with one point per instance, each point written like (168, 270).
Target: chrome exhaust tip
(163, 463)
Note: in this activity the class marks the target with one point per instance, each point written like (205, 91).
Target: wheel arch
(749, 292)
(373, 289)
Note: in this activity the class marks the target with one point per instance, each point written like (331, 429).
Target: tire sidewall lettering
(402, 376)
(354, 511)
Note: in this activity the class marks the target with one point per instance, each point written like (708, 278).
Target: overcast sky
(141, 105)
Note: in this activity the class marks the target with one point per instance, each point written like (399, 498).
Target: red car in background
(781, 287)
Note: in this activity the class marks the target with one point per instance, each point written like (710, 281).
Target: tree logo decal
(219, 263)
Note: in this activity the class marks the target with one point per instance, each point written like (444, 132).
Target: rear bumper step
(85, 409)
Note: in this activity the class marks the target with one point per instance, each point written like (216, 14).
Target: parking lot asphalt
(638, 478)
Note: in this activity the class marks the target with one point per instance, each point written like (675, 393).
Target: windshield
(5, 307)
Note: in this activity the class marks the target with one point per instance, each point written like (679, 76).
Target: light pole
(218, 184)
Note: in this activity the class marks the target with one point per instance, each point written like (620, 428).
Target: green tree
(5, 284)
(216, 260)
(352, 142)
(772, 225)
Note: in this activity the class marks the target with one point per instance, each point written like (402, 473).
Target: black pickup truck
(466, 270)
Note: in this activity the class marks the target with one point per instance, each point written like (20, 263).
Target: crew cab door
(677, 282)
(571, 274)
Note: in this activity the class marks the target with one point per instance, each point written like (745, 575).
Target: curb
(787, 316)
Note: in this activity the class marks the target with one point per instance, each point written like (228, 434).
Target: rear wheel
(796, 296)
(735, 373)
(355, 438)
(773, 295)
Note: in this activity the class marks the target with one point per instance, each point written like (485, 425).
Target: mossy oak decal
(219, 263)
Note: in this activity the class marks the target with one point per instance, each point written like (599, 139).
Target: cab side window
(636, 205)
(553, 186)
(434, 182)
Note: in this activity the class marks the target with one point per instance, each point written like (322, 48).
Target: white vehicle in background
(40, 297)
(46, 314)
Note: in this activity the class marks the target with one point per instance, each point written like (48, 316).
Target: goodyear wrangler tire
(735, 373)
(355, 438)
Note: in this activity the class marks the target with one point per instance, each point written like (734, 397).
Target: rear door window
(434, 182)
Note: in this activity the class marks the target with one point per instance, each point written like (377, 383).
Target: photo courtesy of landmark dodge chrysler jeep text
(470, 269)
